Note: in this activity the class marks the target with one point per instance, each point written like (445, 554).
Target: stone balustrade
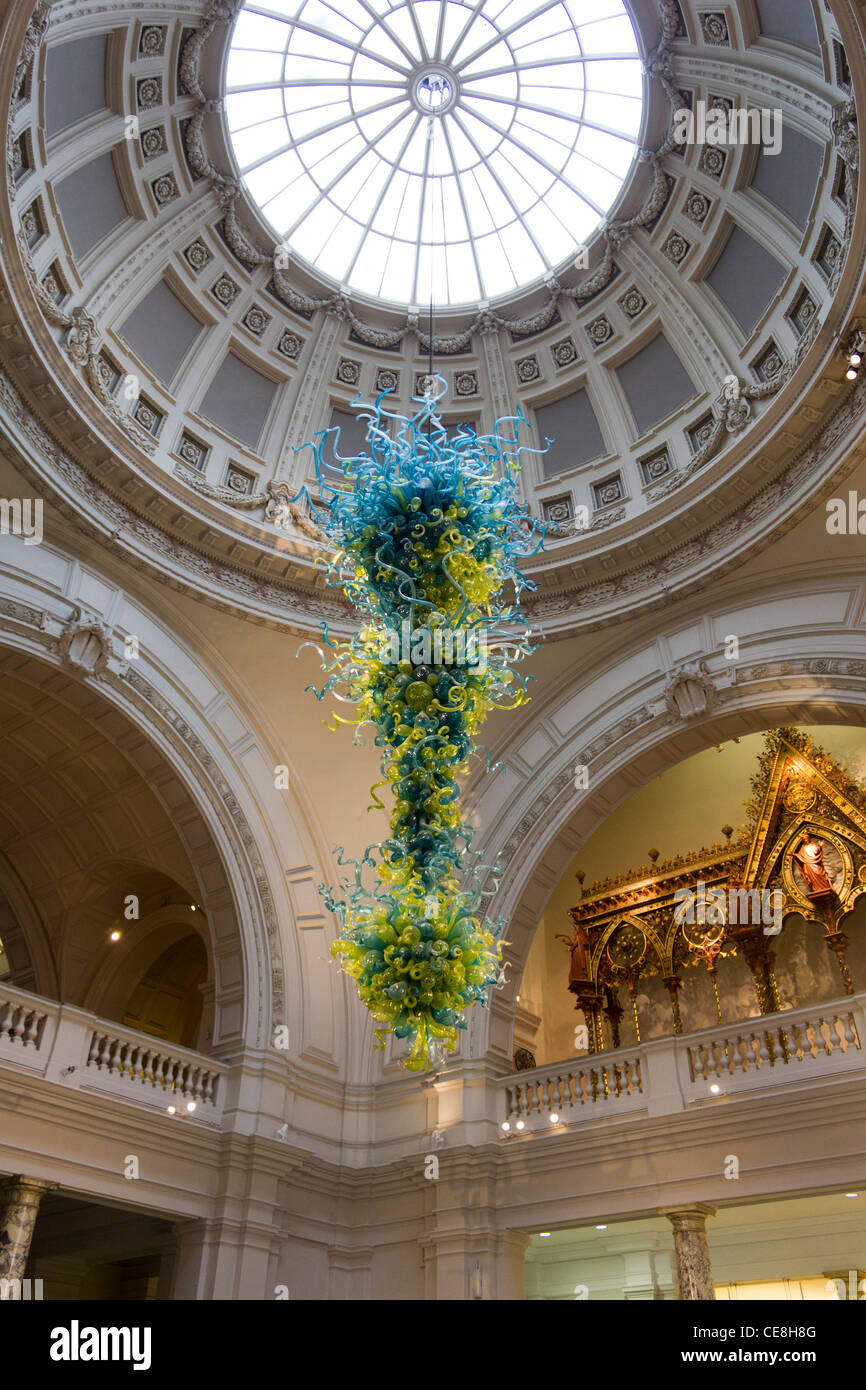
(80, 1051)
(672, 1074)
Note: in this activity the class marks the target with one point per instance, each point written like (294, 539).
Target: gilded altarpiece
(801, 853)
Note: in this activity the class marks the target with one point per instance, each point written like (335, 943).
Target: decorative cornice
(174, 561)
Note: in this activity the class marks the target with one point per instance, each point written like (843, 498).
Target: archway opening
(610, 968)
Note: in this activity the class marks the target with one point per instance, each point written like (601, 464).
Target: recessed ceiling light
(715, 1088)
(544, 1235)
(601, 1228)
(505, 1126)
(554, 1118)
(115, 936)
(851, 374)
(852, 1194)
(521, 1124)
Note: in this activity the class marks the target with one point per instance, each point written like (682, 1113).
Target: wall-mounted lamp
(518, 1128)
(855, 350)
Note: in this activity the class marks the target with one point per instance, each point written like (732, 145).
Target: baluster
(798, 1041)
(744, 1057)
(841, 1033)
(756, 1043)
(637, 1067)
(93, 1050)
(783, 1044)
(812, 1038)
(104, 1051)
(5, 1014)
(855, 1036)
(717, 1058)
(824, 1029)
(31, 1027)
(18, 1020)
(594, 1079)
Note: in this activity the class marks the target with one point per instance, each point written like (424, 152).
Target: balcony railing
(83, 1052)
(671, 1074)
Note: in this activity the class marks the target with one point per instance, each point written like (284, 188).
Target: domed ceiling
(221, 229)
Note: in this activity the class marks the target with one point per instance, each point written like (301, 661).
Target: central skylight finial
(434, 93)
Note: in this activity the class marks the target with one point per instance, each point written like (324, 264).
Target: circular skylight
(418, 148)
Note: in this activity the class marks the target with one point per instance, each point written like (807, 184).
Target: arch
(27, 936)
(176, 716)
(167, 998)
(617, 721)
(216, 891)
(134, 954)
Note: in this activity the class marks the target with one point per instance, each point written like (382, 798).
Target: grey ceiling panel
(74, 81)
(90, 204)
(746, 278)
(791, 20)
(655, 382)
(238, 400)
(161, 330)
(571, 425)
(353, 436)
(788, 179)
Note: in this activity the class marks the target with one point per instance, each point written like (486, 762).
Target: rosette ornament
(427, 528)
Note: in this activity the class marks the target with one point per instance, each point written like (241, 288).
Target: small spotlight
(554, 1117)
(601, 1228)
(855, 358)
(521, 1124)
(114, 936)
(852, 1194)
(505, 1126)
(715, 1088)
(172, 1109)
(851, 374)
(190, 1106)
(518, 998)
(544, 1235)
